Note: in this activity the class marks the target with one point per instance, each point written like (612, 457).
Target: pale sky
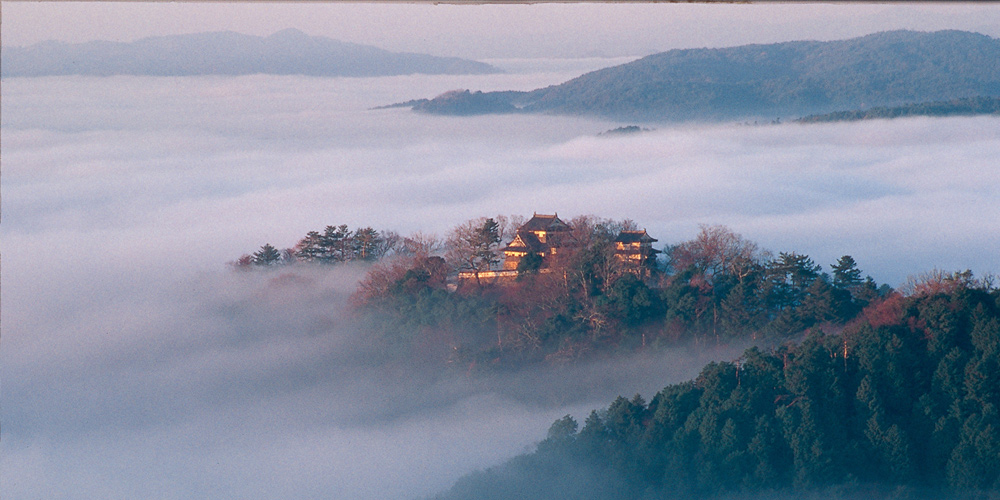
(493, 31)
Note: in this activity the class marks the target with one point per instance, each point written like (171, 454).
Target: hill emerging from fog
(287, 52)
(763, 81)
(901, 403)
(956, 107)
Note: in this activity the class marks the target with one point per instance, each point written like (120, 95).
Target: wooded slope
(773, 80)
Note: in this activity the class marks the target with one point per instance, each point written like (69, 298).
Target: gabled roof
(541, 222)
(634, 236)
(525, 242)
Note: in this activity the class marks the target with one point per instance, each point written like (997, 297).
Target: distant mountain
(626, 130)
(463, 102)
(781, 79)
(287, 52)
(956, 107)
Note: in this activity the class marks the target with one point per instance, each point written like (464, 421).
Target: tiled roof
(540, 222)
(526, 241)
(634, 236)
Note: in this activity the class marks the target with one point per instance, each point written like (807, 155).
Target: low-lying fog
(136, 365)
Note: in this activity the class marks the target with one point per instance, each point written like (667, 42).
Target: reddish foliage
(698, 281)
(407, 273)
(888, 311)
(244, 263)
(938, 282)
(718, 250)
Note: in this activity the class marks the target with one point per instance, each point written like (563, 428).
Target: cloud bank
(135, 364)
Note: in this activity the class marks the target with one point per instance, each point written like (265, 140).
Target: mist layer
(136, 364)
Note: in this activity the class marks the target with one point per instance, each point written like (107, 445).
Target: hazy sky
(490, 31)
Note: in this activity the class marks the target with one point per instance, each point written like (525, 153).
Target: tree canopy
(901, 404)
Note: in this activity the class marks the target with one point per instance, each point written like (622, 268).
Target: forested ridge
(855, 390)
(903, 403)
(984, 105)
(716, 288)
(763, 80)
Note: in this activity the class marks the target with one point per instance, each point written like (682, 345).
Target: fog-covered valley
(137, 364)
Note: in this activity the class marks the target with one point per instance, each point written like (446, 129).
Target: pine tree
(310, 248)
(267, 256)
(846, 274)
(367, 242)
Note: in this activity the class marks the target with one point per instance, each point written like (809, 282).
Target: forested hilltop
(956, 107)
(855, 390)
(786, 79)
(428, 299)
(903, 403)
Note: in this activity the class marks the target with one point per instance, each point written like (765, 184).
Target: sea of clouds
(136, 364)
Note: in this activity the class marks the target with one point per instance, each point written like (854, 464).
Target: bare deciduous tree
(420, 245)
(475, 244)
(717, 250)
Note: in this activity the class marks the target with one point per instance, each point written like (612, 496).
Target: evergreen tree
(789, 276)
(846, 274)
(474, 245)
(367, 243)
(338, 244)
(267, 256)
(311, 248)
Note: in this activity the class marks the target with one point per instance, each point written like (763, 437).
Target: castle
(544, 237)
(635, 248)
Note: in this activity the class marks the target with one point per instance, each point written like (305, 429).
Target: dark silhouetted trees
(267, 256)
(903, 402)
